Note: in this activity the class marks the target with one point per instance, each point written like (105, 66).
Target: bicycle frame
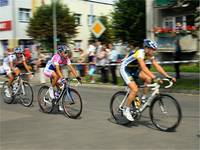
(65, 88)
(154, 87)
(20, 82)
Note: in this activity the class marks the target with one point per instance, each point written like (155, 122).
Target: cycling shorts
(129, 74)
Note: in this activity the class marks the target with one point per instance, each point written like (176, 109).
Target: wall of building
(18, 28)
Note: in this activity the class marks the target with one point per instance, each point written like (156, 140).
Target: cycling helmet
(18, 50)
(150, 44)
(62, 48)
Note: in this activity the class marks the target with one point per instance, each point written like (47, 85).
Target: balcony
(165, 3)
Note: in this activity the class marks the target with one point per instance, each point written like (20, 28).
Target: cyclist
(53, 68)
(140, 70)
(11, 66)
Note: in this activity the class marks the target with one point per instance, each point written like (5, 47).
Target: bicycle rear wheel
(116, 112)
(72, 103)
(165, 112)
(44, 99)
(7, 98)
(26, 94)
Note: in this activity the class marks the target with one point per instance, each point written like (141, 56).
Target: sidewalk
(36, 80)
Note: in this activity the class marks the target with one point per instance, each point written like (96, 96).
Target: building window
(24, 14)
(91, 19)
(190, 20)
(77, 19)
(169, 23)
(77, 44)
(3, 3)
(184, 21)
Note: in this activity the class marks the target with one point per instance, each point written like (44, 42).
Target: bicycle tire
(44, 100)
(28, 100)
(8, 100)
(168, 108)
(72, 103)
(117, 113)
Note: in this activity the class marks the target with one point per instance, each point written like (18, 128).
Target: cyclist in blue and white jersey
(140, 70)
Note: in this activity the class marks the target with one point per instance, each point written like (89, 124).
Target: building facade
(168, 20)
(15, 14)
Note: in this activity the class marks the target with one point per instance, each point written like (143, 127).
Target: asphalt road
(29, 129)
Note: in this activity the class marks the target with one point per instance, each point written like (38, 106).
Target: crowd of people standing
(103, 59)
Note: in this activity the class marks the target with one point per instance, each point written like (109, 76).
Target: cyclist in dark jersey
(140, 70)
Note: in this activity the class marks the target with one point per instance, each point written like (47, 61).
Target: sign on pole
(97, 28)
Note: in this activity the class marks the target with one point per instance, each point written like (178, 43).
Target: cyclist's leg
(53, 77)
(134, 89)
(147, 80)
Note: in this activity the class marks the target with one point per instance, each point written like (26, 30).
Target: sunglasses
(66, 52)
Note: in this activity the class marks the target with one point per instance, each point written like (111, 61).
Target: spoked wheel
(44, 99)
(165, 112)
(116, 112)
(72, 103)
(26, 94)
(7, 96)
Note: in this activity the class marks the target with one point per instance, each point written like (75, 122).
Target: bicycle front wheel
(26, 94)
(7, 97)
(72, 103)
(165, 112)
(117, 112)
(44, 99)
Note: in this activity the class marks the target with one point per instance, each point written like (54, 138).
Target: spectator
(177, 57)
(81, 66)
(112, 56)
(91, 60)
(102, 58)
(37, 58)
(27, 54)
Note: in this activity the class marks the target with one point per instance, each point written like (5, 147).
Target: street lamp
(54, 26)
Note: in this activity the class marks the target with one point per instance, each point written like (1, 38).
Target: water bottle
(137, 102)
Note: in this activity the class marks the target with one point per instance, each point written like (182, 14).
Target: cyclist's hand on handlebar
(171, 78)
(79, 79)
(157, 80)
(63, 81)
(30, 75)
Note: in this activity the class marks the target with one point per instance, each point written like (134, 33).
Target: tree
(41, 25)
(129, 20)
(107, 36)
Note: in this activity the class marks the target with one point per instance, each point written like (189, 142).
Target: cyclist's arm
(159, 68)
(58, 71)
(11, 65)
(74, 72)
(145, 68)
(26, 66)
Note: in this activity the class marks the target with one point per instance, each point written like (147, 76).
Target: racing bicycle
(68, 97)
(20, 89)
(164, 110)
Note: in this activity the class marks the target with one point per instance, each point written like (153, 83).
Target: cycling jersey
(14, 59)
(129, 68)
(56, 60)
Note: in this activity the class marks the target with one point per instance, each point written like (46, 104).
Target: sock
(127, 108)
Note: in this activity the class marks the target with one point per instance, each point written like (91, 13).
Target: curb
(101, 85)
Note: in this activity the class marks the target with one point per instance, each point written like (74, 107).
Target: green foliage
(107, 36)
(41, 25)
(129, 20)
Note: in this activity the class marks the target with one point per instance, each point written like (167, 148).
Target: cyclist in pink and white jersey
(53, 68)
